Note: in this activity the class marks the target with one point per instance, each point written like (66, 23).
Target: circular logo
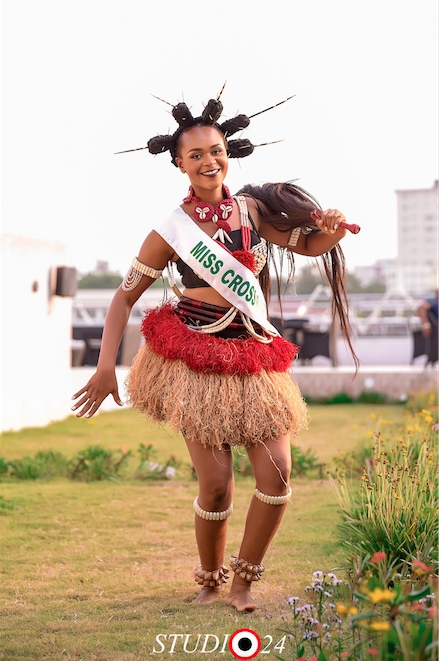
(244, 644)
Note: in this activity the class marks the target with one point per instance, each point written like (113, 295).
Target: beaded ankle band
(246, 570)
(212, 516)
(273, 500)
(211, 579)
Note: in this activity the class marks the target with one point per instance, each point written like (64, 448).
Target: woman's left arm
(313, 244)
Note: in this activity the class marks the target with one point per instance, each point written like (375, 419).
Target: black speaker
(66, 281)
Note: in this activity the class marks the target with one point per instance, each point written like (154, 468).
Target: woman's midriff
(207, 295)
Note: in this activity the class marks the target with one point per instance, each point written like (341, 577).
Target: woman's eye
(196, 156)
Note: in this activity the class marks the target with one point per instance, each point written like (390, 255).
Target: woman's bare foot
(241, 599)
(208, 595)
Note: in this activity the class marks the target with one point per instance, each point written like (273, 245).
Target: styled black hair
(209, 117)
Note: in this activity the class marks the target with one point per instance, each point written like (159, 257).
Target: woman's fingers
(330, 221)
(93, 394)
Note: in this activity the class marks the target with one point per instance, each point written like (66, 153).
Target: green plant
(151, 470)
(305, 463)
(27, 468)
(394, 509)
(355, 462)
(371, 397)
(97, 463)
(4, 466)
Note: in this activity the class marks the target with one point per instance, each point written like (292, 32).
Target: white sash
(234, 281)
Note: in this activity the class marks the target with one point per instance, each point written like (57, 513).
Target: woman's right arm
(155, 253)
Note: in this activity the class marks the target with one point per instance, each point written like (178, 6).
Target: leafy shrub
(151, 470)
(303, 464)
(97, 463)
(371, 397)
(4, 466)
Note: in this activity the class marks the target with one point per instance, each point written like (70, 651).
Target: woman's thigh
(214, 469)
(271, 464)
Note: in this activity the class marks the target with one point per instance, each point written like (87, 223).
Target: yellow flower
(410, 428)
(381, 595)
(372, 415)
(354, 426)
(341, 609)
(424, 412)
(380, 625)
(428, 419)
(353, 610)
(369, 432)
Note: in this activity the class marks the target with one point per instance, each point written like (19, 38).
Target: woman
(213, 365)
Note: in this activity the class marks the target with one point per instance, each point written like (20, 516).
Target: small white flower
(318, 573)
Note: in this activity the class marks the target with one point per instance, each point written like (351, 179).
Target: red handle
(316, 214)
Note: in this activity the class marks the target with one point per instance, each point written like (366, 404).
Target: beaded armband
(136, 272)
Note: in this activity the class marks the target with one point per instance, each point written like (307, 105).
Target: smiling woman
(212, 364)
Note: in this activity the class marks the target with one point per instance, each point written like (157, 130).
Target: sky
(77, 85)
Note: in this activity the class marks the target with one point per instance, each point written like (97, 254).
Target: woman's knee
(215, 494)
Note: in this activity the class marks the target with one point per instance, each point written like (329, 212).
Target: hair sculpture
(210, 116)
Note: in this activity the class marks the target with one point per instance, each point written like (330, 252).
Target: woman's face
(202, 155)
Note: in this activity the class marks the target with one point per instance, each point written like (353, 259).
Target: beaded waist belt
(200, 314)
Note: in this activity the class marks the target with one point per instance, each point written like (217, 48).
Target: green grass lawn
(95, 571)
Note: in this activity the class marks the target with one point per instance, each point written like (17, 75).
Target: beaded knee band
(273, 500)
(211, 579)
(246, 570)
(212, 516)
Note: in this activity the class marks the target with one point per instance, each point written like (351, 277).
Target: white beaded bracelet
(273, 500)
(212, 516)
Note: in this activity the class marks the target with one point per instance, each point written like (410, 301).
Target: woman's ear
(179, 162)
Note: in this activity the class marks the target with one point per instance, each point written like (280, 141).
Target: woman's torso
(190, 280)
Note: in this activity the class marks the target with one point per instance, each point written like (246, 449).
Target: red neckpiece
(205, 211)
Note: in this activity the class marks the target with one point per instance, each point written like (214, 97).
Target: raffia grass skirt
(214, 408)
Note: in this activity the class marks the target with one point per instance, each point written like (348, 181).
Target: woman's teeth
(211, 173)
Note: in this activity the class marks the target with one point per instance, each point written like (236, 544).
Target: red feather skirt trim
(172, 339)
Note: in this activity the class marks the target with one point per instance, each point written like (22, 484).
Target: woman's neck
(211, 196)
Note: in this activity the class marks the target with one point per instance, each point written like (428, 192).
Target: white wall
(35, 334)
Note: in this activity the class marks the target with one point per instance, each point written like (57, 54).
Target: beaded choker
(219, 214)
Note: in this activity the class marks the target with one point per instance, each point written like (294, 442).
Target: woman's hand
(330, 221)
(101, 384)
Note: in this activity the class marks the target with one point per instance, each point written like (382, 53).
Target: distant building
(417, 261)
(380, 271)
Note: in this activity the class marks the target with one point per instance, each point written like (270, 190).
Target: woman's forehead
(202, 134)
